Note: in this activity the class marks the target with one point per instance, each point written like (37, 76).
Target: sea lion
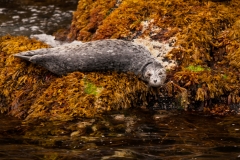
(100, 55)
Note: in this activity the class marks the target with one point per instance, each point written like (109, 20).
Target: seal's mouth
(155, 84)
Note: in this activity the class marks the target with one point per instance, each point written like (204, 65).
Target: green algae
(195, 68)
(91, 88)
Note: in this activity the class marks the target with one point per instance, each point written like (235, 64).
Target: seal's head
(154, 74)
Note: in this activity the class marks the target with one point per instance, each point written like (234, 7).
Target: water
(151, 135)
(34, 17)
(131, 134)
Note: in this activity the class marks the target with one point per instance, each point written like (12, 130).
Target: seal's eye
(149, 74)
(160, 73)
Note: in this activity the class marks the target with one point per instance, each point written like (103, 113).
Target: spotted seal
(100, 55)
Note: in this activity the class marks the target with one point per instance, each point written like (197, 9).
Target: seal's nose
(155, 81)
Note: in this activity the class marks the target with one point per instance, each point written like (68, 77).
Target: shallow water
(150, 135)
(28, 17)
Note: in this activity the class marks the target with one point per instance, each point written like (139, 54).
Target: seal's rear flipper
(28, 54)
(23, 57)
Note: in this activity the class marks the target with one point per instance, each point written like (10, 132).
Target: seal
(100, 55)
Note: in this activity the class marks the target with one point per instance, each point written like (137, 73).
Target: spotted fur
(101, 55)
